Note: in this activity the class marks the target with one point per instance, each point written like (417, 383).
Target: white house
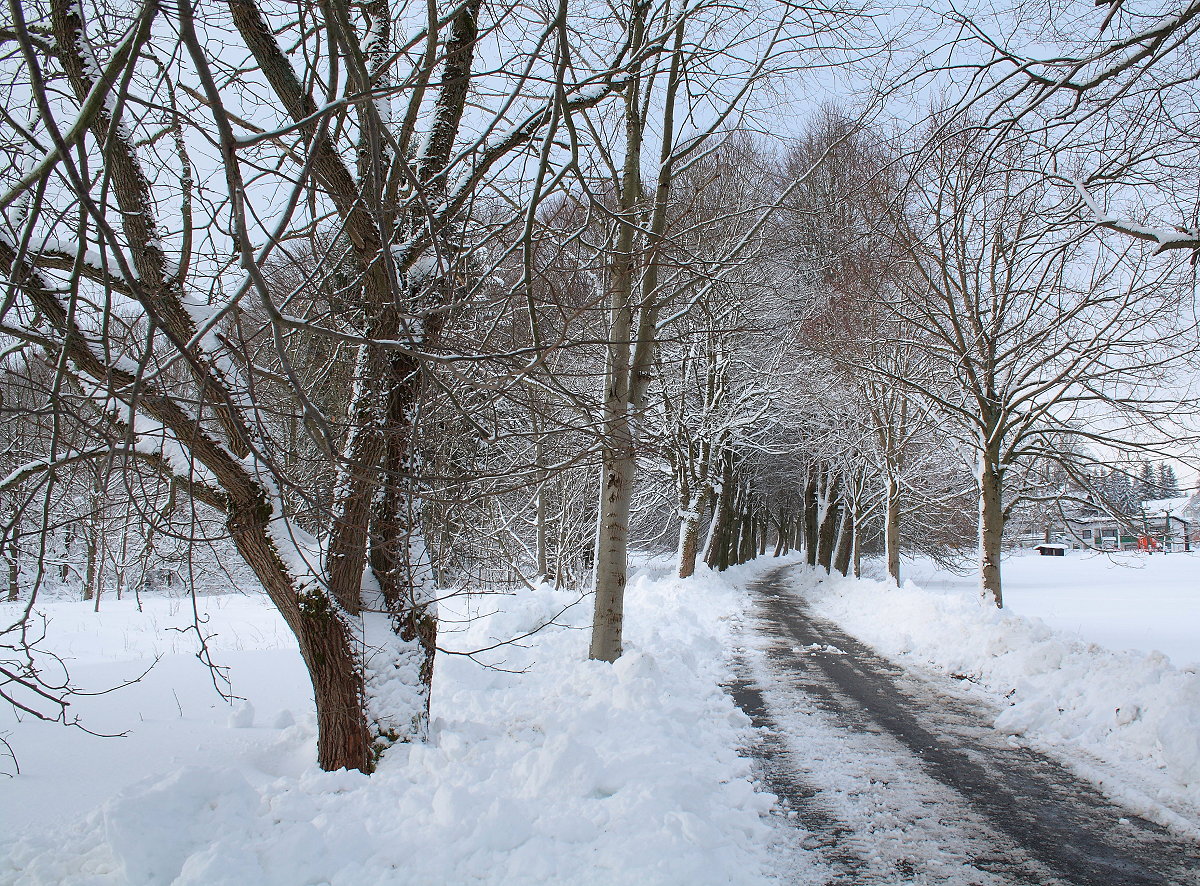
(1168, 524)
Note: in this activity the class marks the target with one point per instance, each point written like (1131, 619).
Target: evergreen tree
(1147, 487)
(1167, 481)
(1119, 491)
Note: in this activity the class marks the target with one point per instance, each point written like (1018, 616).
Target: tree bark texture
(717, 554)
(891, 529)
(14, 573)
(991, 531)
(827, 530)
(781, 537)
(845, 540)
(811, 505)
(689, 534)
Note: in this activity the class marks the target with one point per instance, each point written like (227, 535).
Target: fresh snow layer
(1135, 715)
(544, 768)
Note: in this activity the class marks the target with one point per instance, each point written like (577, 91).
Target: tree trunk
(630, 356)
(689, 534)
(845, 541)
(749, 543)
(781, 537)
(991, 530)
(101, 556)
(857, 556)
(827, 530)
(89, 576)
(14, 572)
(344, 736)
(541, 515)
(327, 642)
(398, 557)
(542, 540)
(810, 519)
(612, 554)
(618, 462)
(716, 556)
(891, 529)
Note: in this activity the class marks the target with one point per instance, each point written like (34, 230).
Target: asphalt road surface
(892, 778)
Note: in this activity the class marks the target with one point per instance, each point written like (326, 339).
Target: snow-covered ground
(552, 769)
(1122, 714)
(1121, 601)
(569, 772)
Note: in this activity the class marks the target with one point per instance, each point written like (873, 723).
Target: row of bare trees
(403, 300)
(342, 277)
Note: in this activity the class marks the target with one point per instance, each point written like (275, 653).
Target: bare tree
(356, 141)
(1109, 91)
(1030, 333)
(637, 291)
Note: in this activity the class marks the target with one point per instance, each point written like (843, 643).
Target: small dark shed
(1052, 550)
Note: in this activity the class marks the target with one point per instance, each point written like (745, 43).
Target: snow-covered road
(895, 778)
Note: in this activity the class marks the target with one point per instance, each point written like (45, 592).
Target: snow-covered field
(1121, 601)
(1122, 714)
(570, 772)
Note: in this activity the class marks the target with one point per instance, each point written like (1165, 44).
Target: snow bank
(544, 768)
(1133, 711)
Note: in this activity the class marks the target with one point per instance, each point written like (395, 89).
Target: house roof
(1180, 505)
